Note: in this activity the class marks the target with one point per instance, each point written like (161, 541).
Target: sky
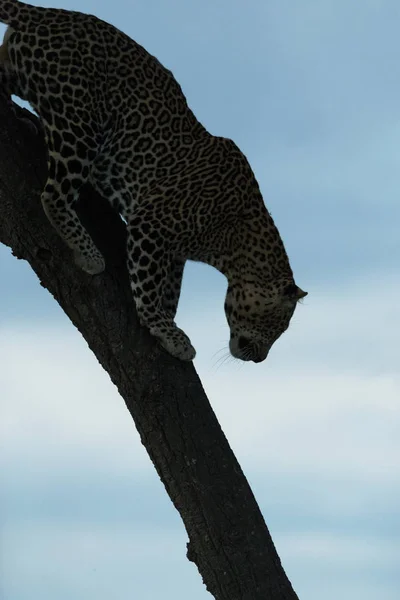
(310, 92)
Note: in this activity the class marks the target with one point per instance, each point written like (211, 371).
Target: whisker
(221, 360)
(216, 367)
(218, 352)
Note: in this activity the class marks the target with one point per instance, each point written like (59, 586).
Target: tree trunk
(229, 541)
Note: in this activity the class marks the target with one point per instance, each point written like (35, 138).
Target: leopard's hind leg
(67, 172)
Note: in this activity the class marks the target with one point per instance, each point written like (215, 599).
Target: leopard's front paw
(175, 342)
(90, 264)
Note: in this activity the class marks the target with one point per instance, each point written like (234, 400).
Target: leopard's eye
(291, 290)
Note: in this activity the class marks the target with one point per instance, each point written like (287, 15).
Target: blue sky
(310, 92)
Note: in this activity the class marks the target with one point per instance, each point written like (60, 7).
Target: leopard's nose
(258, 359)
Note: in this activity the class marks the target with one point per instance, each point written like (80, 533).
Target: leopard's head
(258, 313)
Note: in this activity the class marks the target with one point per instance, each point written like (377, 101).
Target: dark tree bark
(229, 541)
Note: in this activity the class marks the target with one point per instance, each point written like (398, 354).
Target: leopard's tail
(21, 16)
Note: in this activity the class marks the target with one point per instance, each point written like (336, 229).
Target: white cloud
(64, 560)
(348, 550)
(340, 566)
(59, 405)
(94, 542)
(116, 561)
(341, 424)
(325, 401)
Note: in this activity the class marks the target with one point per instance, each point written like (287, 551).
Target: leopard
(115, 118)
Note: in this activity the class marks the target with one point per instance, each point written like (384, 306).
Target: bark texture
(228, 538)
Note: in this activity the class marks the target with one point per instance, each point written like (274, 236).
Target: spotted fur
(114, 116)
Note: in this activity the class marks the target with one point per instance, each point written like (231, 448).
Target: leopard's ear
(300, 293)
(294, 292)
